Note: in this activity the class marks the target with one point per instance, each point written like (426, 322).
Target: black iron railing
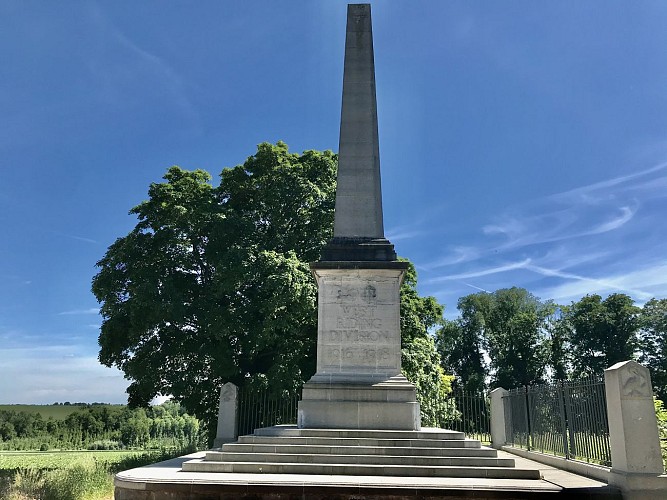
(262, 408)
(467, 412)
(459, 411)
(567, 419)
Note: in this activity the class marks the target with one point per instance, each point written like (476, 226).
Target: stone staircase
(285, 449)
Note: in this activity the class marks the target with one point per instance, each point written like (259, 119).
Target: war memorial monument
(358, 432)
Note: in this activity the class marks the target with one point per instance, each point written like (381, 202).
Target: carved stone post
(498, 433)
(227, 414)
(636, 462)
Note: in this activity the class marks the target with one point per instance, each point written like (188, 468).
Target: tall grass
(78, 482)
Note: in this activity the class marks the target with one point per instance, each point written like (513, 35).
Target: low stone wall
(593, 471)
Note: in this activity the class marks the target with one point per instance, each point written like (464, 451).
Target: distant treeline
(67, 403)
(100, 426)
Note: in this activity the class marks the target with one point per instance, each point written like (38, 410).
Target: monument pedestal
(382, 406)
(358, 383)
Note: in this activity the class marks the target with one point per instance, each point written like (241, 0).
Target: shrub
(43, 447)
(106, 444)
(661, 415)
(78, 482)
(28, 483)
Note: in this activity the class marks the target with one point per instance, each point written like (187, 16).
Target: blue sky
(522, 143)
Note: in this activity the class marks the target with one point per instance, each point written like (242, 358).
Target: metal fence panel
(460, 411)
(568, 419)
(260, 408)
(467, 412)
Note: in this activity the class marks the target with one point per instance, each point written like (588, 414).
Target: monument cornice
(359, 264)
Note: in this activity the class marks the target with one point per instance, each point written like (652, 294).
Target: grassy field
(58, 412)
(68, 475)
(13, 460)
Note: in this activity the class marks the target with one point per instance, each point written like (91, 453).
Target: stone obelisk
(358, 383)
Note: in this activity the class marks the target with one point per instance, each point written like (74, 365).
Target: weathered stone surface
(633, 428)
(338, 451)
(227, 415)
(498, 437)
(358, 322)
(358, 193)
(326, 414)
(637, 467)
(358, 383)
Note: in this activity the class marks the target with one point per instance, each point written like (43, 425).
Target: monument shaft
(358, 383)
(358, 192)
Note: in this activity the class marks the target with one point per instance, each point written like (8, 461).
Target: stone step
(199, 465)
(427, 461)
(299, 449)
(334, 441)
(293, 431)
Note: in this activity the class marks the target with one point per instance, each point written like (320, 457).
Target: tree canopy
(212, 285)
(602, 332)
(510, 338)
(508, 325)
(653, 343)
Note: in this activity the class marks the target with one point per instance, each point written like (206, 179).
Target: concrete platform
(166, 480)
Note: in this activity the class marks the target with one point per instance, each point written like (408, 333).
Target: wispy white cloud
(605, 237)
(556, 226)
(642, 284)
(74, 237)
(561, 257)
(589, 210)
(475, 287)
(81, 238)
(482, 272)
(65, 374)
(454, 255)
(73, 312)
(591, 283)
(624, 181)
(626, 214)
(15, 279)
(398, 235)
(163, 73)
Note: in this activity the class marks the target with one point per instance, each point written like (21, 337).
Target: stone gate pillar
(227, 415)
(636, 461)
(498, 432)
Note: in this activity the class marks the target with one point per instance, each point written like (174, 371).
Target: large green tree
(558, 344)
(213, 283)
(421, 363)
(602, 332)
(516, 337)
(461, 343)
(509, 326)
(653, 343)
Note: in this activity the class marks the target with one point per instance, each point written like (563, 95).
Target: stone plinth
(358, 383)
